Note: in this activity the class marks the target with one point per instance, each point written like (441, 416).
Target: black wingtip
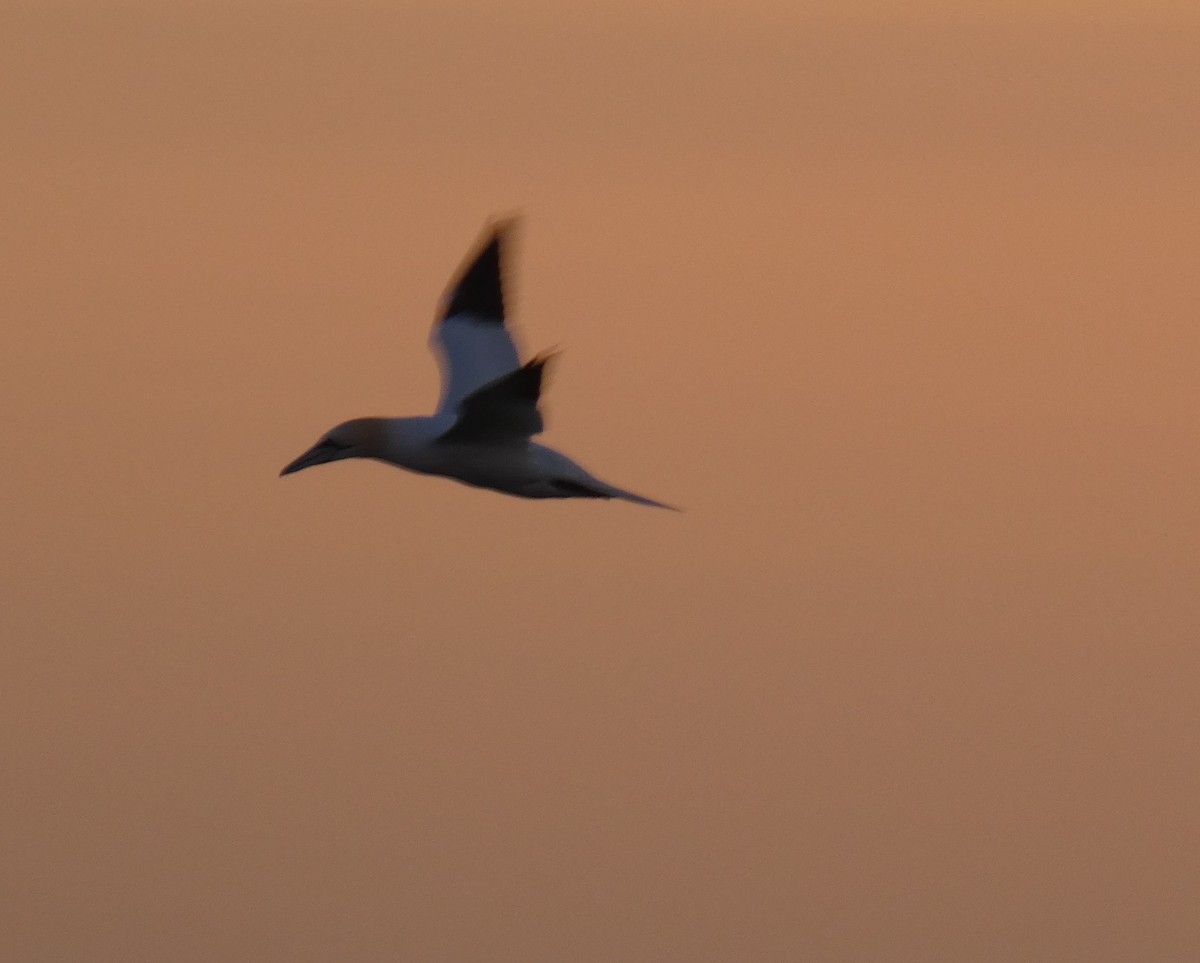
(479, 288)
(526, 381)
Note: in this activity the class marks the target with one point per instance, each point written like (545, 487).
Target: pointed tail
(611, 491)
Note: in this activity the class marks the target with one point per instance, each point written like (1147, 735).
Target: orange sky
(901, 309)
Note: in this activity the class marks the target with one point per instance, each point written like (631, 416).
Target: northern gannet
(480, 434)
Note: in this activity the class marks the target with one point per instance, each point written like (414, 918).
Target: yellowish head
(357, 438)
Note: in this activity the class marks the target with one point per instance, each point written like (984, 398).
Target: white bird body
(482, 432)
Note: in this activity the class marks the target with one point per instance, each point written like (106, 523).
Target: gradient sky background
(903, 310)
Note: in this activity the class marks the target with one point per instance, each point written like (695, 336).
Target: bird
(481, 433)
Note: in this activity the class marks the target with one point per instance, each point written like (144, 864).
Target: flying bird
(481, 433)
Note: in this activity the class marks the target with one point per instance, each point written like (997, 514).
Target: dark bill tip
(317, 455)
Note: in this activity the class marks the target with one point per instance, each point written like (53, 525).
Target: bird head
(351, 439)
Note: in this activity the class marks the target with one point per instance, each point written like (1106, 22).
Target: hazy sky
(902, 309)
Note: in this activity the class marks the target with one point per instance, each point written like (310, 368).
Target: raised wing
(504, 412)
(471, 338)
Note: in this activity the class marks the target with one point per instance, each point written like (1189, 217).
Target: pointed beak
(319, 454)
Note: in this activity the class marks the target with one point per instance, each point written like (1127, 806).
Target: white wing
(471, 338)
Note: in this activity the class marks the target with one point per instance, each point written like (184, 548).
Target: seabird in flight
(482, 430)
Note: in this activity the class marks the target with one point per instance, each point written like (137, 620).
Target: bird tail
(611, 491)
